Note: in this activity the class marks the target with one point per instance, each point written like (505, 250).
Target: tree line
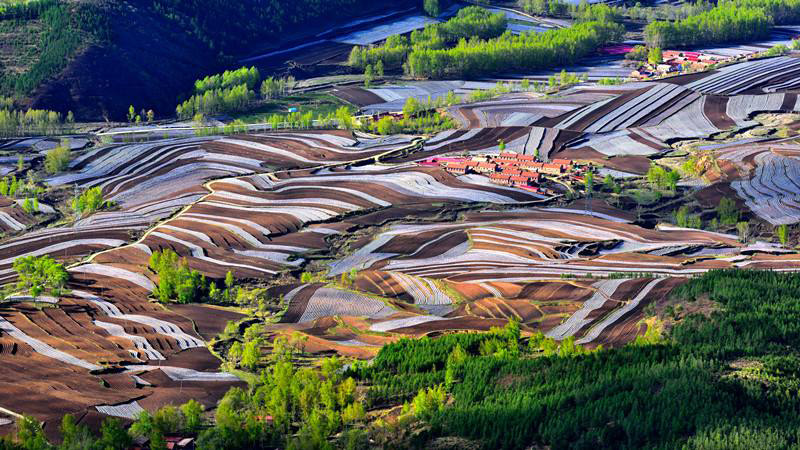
(469, 22)
(475, 43)
(513, 52)
(228, 79)
(33, 122)
(725, 23)
(231, 91)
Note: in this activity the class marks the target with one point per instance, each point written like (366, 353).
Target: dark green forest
(225, 26)
(65, 28)
(216, 31)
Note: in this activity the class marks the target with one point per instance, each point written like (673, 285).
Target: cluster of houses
(676, 62)
(510, 169)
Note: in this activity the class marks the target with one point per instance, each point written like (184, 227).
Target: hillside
(96, 57)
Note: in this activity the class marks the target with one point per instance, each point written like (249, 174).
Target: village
(515, 170)
(675, 62)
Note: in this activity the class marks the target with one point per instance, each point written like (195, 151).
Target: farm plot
(61, 243)
(631, 108)
(521, 246)
(642, 119)
(256, 227)
(144, 174)
(12, 217)
(393, 97)
(509, 110)
(772, 191)
(48, 354)
(476, 140)
(324, 302)
(381, 32)
(763, 75)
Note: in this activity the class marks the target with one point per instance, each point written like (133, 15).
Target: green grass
(318, 102)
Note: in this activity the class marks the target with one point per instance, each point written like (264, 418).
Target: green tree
(411, 107)
(235, 352)
(654, 56)
(74, 437)
(113, 435)
(428, 402)
(379, 69)
(251, 354)
(609, 182)
(783, 234)
(57, 159)
(744, 231)
(432, 7)
(727, 211)
(369, 75)
(88, 201)
(344, 118)
(672, 179)
(193, 415)
(176, 281)
(31, 435)
(157, 441)
(39, 273)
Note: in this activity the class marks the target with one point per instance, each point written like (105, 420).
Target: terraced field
(634, 120)
(396, 249)
(770, 184)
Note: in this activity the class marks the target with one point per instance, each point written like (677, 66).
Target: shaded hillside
(147, 52)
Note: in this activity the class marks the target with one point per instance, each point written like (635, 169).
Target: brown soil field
(356, 95)
(208, 321)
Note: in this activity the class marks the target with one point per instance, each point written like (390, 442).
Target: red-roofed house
(532, 176)
(519, 180)
(563, 162)
(500, 178)
(484, 167)
(459, 168)
(553, 169)
(507, 157)
(531, 165)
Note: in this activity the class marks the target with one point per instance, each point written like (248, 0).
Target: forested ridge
(97, 57)
(65, 29)
(226, 26)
